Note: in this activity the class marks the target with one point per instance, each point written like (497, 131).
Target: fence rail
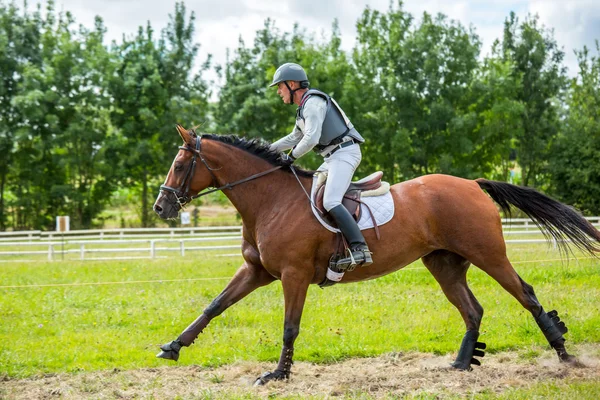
(146, 243)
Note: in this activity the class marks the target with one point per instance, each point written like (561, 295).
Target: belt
(341, 146)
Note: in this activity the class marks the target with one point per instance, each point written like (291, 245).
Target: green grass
(548, 391)
(55, 329)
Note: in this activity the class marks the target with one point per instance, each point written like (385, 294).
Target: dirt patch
(394, 374)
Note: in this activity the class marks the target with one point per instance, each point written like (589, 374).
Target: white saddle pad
(382, 208)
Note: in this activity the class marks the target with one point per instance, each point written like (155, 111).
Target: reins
(182, 193)
(306, 193)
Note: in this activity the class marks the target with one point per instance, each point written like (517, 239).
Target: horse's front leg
(247, 278)
(295, 286)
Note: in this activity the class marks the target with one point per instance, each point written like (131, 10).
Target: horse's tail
(555, 219)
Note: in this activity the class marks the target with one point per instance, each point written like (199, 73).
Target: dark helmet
(290, 72)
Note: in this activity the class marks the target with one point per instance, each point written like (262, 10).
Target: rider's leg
(341, 166)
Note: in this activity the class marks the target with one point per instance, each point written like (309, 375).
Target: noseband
(182, 194)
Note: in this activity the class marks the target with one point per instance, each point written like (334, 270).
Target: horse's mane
(257, 147)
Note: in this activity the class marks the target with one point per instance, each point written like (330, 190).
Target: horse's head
(188, 176)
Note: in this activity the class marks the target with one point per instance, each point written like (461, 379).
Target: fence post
(82, 251)
(152, 249)
(50, 252)
(181, 245)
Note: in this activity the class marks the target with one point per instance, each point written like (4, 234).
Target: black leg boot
(360, 251)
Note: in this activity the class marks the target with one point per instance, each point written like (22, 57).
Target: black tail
(556, 220)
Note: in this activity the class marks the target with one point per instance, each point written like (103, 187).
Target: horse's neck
(262, 198)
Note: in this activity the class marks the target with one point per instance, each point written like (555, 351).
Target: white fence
(148, 243)
(135, 243)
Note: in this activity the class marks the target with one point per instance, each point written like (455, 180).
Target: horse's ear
(185, 135)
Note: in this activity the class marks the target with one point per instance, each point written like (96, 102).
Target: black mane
(257, 147)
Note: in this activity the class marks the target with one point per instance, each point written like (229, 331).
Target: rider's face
(283, 91)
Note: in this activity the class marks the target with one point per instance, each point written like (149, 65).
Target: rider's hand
(287, 159)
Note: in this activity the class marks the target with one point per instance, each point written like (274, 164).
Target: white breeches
(340, 167)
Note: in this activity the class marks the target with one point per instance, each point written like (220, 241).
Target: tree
(64, 142)
(489, 120)
(19, 46)
(575, 160)
(152, 91)
(537, 61)
(409, 85)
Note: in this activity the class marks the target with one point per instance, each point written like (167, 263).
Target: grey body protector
(336, 125)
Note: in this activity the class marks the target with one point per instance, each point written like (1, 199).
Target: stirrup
(356, 257)
(363, 252)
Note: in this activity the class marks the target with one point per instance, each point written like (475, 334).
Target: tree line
(80, 119)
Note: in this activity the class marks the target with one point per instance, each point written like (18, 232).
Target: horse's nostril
(158, 208)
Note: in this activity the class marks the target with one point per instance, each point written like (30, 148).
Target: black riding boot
(360, 252)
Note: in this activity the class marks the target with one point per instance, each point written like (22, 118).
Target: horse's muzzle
(165, 208)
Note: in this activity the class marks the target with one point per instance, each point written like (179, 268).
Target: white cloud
(576, 23)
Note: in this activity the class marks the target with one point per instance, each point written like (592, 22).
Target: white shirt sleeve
(314, 112)
(289, 141)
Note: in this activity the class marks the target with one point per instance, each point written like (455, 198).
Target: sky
(220, 24)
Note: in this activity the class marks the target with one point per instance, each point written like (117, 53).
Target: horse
(448, 222)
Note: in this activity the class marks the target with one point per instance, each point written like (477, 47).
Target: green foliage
(537, 61)
(153, 89)
(19, 48)
(61, 157)
(80, 119)
(409, 88)
(575, 167)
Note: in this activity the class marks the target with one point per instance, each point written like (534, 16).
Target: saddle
(371, 185)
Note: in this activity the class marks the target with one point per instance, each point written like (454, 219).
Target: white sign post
(62, 225)
(185, 218)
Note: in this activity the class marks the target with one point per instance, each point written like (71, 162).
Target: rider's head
(289, 78)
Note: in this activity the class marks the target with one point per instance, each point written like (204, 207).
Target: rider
(322, 126)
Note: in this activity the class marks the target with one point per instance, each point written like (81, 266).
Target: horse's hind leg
(550, 324)
(450, 270)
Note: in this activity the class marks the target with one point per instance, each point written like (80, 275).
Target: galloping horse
(446, 221)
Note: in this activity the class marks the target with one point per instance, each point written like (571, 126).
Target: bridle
(182, 194)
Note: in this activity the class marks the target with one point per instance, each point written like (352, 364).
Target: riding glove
(287, 159)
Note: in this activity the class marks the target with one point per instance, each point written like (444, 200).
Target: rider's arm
(289, 141)
(314, 114)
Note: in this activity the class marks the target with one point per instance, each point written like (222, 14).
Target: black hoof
(270, 376)
(464, 364)
(570, 360)
(170, 351)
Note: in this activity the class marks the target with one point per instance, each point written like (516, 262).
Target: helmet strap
(291, 92)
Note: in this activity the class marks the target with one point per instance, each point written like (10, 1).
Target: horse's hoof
(168, 355)
(464, 365)
(461, 366)
(170, 351)
(270, 376)
(571, 360)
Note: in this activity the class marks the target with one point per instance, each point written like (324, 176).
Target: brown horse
(446, 221)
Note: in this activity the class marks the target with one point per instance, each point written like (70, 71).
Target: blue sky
(220, 23)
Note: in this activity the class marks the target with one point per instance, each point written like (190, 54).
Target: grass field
(105, 315)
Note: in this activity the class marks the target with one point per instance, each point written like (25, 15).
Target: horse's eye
(178, 167)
